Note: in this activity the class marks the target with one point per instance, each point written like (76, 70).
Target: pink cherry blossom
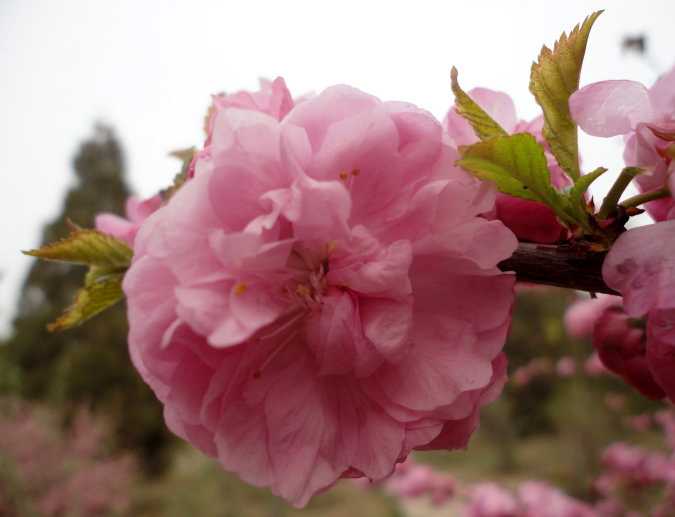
(641, 265)
(412, 480)
(529, 220)
(322, 297)
(581, 316)
(491, 500)
(273, 98)
(593, 365)
(125, 229)
(566, 367)
(542, 500)
(646, 117)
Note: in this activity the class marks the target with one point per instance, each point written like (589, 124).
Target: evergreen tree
(89, 364)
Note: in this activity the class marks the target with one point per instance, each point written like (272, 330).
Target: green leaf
(554, 77)
(483, 125)
(576, 193)
(101, 290)
(185, 156)
(108, 259)
(517, 165)
(89, 248)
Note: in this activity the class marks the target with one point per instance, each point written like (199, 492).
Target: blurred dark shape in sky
(636, 43)
(89, 364)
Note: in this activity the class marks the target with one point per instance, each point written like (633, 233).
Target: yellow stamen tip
(302, 290)
(356, 172)
(240, 288)
(344, 175)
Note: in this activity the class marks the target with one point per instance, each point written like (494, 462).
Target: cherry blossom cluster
(627, 470)
(60, 473)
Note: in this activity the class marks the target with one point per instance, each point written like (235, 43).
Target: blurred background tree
(88, 365)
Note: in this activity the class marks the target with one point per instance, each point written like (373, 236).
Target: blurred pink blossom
(62, 473)
(566, 367)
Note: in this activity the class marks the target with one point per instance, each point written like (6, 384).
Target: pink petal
(640, 266)
(610, 108)
(387, 324)
(662, 94)
(116, 226)
(496, 104)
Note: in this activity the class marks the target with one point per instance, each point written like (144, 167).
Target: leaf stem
(646, 197)
(611, 201)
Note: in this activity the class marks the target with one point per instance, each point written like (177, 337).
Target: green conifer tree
(89, 364)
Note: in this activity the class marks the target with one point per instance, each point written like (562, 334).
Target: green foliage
(107, 257)
(554, 77)
(517, 165)
(483, 125)
(89, 364)
(578, 191)
(88, 248)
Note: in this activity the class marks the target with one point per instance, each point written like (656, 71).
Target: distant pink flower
(542, 500)
(640, 423)
(593, 365)
(322, 297)
(582, 315)
(529, 220)
(647, 119)
(125, 229)
(491, 500)
(566, 367)
(412, 480)
(641, 265)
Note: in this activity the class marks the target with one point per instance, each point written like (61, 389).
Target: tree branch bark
(560, 266)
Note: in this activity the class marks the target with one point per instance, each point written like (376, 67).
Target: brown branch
(561, 266)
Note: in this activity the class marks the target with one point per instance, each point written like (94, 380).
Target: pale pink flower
(542, 500)
(416, 480)
(581, 316)
(641, 266)
(491, 500)
(640, 423)
(566, 367)
(529, 220)
(593, 365)
(322, 297)
(647, 119)
(126, 229)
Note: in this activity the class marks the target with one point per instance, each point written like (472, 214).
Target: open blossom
(646, 117)
(641, 266)
(126, 228)
(529, 220)
(322, 296)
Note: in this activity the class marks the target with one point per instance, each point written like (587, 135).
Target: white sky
(148, 68)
